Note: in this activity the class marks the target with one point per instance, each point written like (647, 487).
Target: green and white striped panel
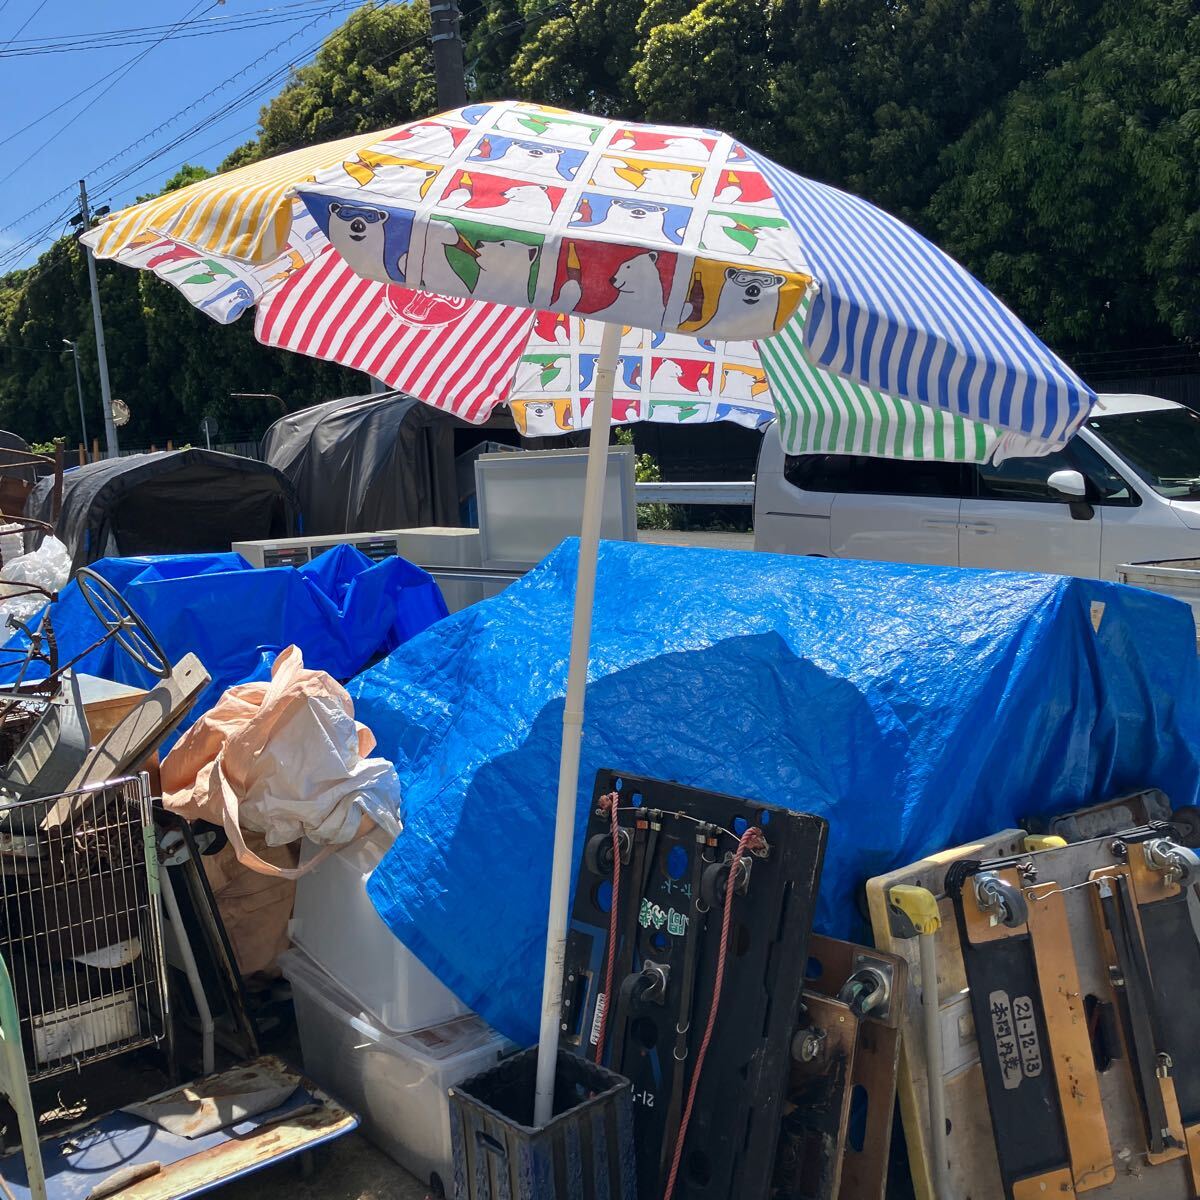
(820, 412)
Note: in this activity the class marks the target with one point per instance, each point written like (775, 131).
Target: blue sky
(147, 85)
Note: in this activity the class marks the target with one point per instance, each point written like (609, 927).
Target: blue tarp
(913, 707)
(341, 609)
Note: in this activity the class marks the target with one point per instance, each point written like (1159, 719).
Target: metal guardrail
(473, 574)
(737, 493)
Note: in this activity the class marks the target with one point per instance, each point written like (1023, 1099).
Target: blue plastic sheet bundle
(913, 707)
(341, 609)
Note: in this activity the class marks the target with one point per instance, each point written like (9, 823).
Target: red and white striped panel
(455, 354)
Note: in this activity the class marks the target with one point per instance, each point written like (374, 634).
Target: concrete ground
(348, 1169)
(711, 541)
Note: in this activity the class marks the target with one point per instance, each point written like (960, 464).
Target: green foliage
(1053, 146)
(188, 173)
(375, 71)
(1078, 197)
(646, 470)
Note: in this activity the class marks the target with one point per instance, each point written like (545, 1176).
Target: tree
(1079, 197)
(186, 174)
(373, 72)
(1052, 145)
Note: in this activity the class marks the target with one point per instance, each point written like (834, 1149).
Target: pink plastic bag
(285, 759)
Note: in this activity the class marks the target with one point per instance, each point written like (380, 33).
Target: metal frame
(82, 927)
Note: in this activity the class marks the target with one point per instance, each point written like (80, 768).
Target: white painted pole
(572, 732)
(931, 1014)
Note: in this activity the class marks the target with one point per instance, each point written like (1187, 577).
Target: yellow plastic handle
(918, 904)
(1043, 841)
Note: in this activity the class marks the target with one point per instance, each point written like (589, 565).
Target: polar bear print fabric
(504, 201)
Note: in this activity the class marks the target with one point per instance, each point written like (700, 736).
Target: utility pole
(447, 54)
(78, 388)
(110, 430)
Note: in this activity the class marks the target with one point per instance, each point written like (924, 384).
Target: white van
(1125, 489)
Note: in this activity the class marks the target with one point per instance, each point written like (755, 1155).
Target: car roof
(1108, 405)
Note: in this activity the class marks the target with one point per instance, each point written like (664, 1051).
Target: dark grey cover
(362, 463)
(170, 502)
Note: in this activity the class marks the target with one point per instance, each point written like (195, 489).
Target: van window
(860, 474)
(1027, 478)
(1161, 444)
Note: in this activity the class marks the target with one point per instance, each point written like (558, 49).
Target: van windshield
(1162, 445)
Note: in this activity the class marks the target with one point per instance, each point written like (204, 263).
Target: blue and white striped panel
(896, 313)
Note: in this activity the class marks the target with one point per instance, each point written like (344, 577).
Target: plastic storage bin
(397, 1083)
(336, 925)
(585, 1152)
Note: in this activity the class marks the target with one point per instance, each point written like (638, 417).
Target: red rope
(751, 840)
(610, 802)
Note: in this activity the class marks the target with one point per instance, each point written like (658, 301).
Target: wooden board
(105, 705)
(875, 1065)
(972, 1169)
(139, 733)
(85, 1155)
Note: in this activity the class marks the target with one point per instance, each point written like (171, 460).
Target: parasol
(564, 263)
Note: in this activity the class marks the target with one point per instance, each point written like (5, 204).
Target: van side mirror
(1070, 484)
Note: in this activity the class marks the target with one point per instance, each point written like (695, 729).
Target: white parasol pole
(572, 732)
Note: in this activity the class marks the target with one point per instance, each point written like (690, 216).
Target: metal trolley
(80, 926)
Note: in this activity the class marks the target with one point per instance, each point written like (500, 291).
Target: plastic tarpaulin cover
(913, 707)
(341, 609)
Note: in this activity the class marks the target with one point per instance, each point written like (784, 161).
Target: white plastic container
(337, 926)
(396, 1083)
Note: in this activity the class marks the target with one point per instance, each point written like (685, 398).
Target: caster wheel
(598, 854)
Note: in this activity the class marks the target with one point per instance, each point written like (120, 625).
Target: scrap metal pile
(1025, 997)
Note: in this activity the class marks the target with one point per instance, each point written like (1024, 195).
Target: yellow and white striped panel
(244, 214)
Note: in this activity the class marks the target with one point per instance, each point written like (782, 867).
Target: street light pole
(78, 388)
(261, 396)
(110, 429)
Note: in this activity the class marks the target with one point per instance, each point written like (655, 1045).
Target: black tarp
(170, 502)
(362, 463)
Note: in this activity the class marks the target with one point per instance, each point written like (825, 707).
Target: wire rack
(80, 926)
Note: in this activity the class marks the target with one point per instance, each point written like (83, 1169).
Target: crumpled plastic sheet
(341, 609)
(49, 567)
(912, 707)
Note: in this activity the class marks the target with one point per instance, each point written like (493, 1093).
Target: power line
(109, 186)
(250, 96)
(120, 73)
(21, 28)
(133, 62)
(235, 25)
(123, 30)
(170, 120)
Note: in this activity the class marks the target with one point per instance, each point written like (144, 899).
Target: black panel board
(1021, 1089)
(1174, 956)
(731, 1142)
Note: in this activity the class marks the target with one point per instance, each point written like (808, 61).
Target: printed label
(1014, 1028)
(651, 914)
(1005, 1037)
(597, 1017)
(1027, 1037)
